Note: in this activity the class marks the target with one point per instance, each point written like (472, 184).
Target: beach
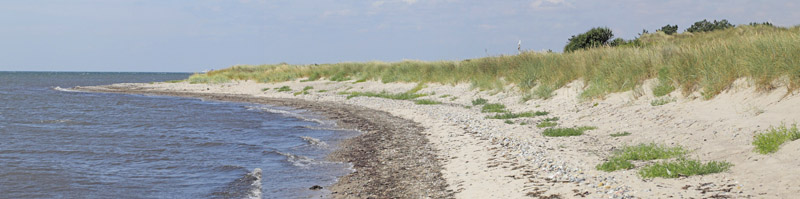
(452, 150)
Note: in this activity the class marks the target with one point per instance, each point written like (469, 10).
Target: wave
(291, 114)
(62, 121)
(58, 88)
(314, 141)
(296, 160)
(247, 186)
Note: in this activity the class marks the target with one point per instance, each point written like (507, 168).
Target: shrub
(593, 38)
(669, 30)
(545, 124)
(772, 140)
(761, 24)
(706, 26)
(284, 89)
(621, 158)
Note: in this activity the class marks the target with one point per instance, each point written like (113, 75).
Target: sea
(60, 143)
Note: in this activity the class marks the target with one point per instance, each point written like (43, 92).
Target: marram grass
(707, 62)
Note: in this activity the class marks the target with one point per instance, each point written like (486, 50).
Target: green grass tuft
(662, 101)
(566, 132)
(517, 115)
(545, 124)
(771, 141)
(426, 102)
(509, 122)
(264, 89)
(620, 134)
(683, 167)
(550, 119)
(494, 108)
(444, 96)
(621, 158)
(480, 101)
(284, 89)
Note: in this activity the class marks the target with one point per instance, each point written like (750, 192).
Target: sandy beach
(451, 150)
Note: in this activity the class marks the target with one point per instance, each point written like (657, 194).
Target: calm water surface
(55, 143)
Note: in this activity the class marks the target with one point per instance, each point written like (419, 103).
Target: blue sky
(194, 35)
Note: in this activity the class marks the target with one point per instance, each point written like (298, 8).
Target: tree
(705, 26)
(761, 24)
(669, 30)
(593, 38)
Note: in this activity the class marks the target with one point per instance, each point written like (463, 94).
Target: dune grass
(566, 132)
(494, 108)
(509, 115)
(707, 62)
(427, 102)
(284, 89)
(771, 141)
(661, 101)
(408, 95)
(480, 101)
(683, 167)
(620, 159)
(304, 91)
(620, 134)
(545, 124)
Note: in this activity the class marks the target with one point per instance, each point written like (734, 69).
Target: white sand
(486, 158)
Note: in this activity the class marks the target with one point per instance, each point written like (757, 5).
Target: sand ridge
(487, 158)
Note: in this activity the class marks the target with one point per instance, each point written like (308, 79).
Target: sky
(196, 35)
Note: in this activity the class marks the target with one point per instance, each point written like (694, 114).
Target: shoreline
(374, 153)
(481, 157)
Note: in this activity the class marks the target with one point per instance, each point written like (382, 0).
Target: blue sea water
(57, 143)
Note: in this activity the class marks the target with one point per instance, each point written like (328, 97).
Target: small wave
(58, 88)
(228, 168)
(297, 160)
(62, 121)
(291, 114)
(247, 186)
(314, 141)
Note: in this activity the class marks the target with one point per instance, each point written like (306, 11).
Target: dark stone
(315, 187)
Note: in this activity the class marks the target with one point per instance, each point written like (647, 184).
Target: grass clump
(480, 101)
(322, 91)
(408, 95)
(550, 119)
(683, 167)
(545, 124)
(517, 115)
(509, 122)
(494, 108)
(304, 91)
(566, 132)
(662, 101)
(771, 141)
(620, 134)
(444, 96)
(206, 79)
(426, 102)
(284, 89)
(621, 158)
(264, 89)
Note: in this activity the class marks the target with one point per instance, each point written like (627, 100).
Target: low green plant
(620, 159)
(494, 108)
(517, 115)
(683, 167)
(444, 96)
(550, 119)
(523, 123)
(620, 134)
(545, 124)
(322, 91)
(771, 141)
(408, 95)
(284, 89)
(454, 98)
(566, 132)
(175, 81)
(264, 89)
(662, 101)
(206, 79)
(426, 102)
(509, 122)
(304, 91)
(480, 101)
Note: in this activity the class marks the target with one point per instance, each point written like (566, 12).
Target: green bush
(772, 140)
(706, 26)
(669, 30)
(284, 89)
(566, 132)
(593, 38)
(426, 102)
(479, 101)
(494, 108)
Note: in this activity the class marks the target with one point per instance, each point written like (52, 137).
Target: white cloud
(548, 4)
